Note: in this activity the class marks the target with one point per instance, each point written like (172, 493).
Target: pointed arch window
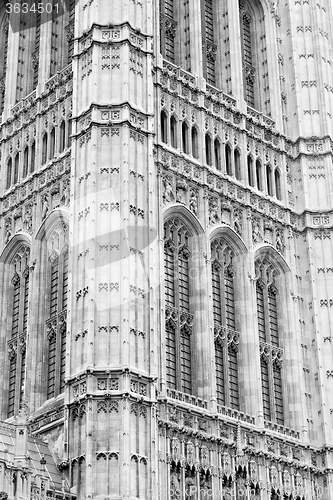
(62, 136)
(179, 320)
(168, 29)
(228, 162)
(52, 143)
(217, 154)
(32, 157)
(25, 162)
(237, 161)
(226, 338)
(164, 127)
(69, 30)
(269, 183)
(259, 175)
(69, 133)
(16, 168)
(249, 72)
(19, 321)
(195, 145)
(56, 323)
(250, 175)
(208, 46)
(277, 179)
(173, 131)
(44, 149)
(208, 149)
(35, 54)
(271, 355)
(254, 55)
(185, 146)
(175, 32)
(9, 173)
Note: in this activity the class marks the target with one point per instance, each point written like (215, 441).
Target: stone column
(113, 307)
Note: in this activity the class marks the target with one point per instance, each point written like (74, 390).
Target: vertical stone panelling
(114, 228)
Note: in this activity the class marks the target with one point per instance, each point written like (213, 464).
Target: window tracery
(56, 322)
(254, 55)
(175, 33)
(178, 318)
(168, 29)
(226, 338)
(208, 41)
(19, 320)
(271, 354)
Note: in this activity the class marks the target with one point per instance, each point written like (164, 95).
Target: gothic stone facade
(166, 263)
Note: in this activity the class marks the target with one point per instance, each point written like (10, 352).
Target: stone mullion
(249, 368)
(58, 336)
(37, 351)
(267, 327)
(21, 304)
(225, 342)
(269, 363)
(271, 387)
(18, 376)
(177, 333)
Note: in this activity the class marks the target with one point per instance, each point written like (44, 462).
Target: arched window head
(228, 161)
(195, 142)
(164, 127)
(271, 353)
(44, 149)
(56, 322)
(9, 173)
(217, 154)
(254, 55)
(277, 179)
(250, 173)
(208, 149)
(19, 302)
(225, 336)
(173, 131)
(185, 145)
(178, 318)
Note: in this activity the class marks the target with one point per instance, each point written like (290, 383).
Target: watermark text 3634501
(27, 14)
